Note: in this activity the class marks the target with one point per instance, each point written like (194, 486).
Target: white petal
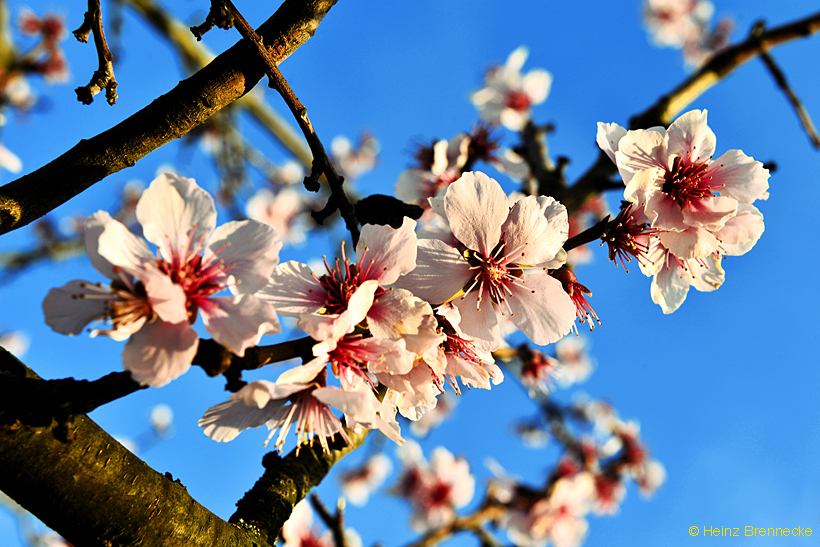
(541, 309)
(390, 252)
(67, 312)
(536, 85)
(441, 272)
(640, 149)
(250, 249)
(669, 288)
(160, 352)
(239, 322)
(741, 232)
(94, 227)
(123, 249)
(609, 134)
(536, 230)
(690, 136)
(293, 290)
(223, 422)
(170, 208)
(476, 207)
(743, 178)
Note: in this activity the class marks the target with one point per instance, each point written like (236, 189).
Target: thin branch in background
(103, 77)
(334, 523)
(321, 161)
(780, 79)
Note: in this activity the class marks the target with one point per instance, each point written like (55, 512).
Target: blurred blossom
(298, 530)
(358, 483)
(46, 58)
(284, 211)
(684, 24)
(290, 172)
(354, 162)
(445, 404)
(508, 95)
(435, 489)
(162, 418)
(574, 364)
(15, 342)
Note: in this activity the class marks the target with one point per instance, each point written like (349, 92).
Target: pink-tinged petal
(609, 134)
(663, 212)
(384, 253)
(160, 352)
(541, 308)
(167, 299)
(638, 150)
(362, 408)
(514, 120)
(441, 272)
(68, 312)
(293, 290)
(536, 85)
(689, 136)
(223, 422)
(476, 207)
(250, 249)
(410, 184)
(239, 322)
(170, 208)
(416, 388)
(257, 393)
(709, 213)
(94, 227)
(740, 177)
(536, 230)
(427, 338)
(741, 232)
(691, 243)
(122, 332)
(669, 287)
(471, 373)
(480, 323)
(333, 327)
(396, 314)
(643, 185)
(437, 205)
(118, 246)
(655, 258)
(708, 274)
(301, 377)
(515, 60)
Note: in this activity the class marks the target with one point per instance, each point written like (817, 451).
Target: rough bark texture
(224, 80)
(82, 483)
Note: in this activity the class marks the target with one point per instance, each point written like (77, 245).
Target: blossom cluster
(684, 211)
(684, 24)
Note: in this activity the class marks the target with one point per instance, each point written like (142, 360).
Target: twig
(321, 162)
(334, 523)
(189, 104)
(471, 523)
(598, 177)
(103, 77)
(780, 79)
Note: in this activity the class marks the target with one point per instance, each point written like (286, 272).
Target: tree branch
(93, 491)
(103, 77)
(171, 116)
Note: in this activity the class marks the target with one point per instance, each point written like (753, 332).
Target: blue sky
(725, 389)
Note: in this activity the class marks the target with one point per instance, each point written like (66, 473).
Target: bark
(227, 78)
(82, 483)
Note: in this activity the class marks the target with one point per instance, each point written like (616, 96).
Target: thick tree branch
(171, 116)
(93, 491)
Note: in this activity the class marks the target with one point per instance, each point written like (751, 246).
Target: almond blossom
(358, 483)
(505, 267)
(508, 95)
(153, 300)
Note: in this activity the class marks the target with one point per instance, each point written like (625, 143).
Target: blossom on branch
(505, 267)
(508, 96)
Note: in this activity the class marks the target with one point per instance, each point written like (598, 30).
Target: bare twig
(780, 79)
(321, 162)
(103, 77)
(471, 523)
(335, 523)
(223, 81)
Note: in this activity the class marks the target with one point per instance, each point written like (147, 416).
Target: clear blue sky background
(725, 389)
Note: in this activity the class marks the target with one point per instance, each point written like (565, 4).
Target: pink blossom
(676, 22)
(436, 489)
(505, 269)
(142, 303)
(283, 211)
(358, 483)
(279, 405)
(508, 95)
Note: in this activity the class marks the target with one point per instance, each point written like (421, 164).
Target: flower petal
(741, 232)
(293, 290)
(669, 287)
(541, 308)
(741, 177)
(384, 253)
(476, 207)
(239, 322)
(160, 352)
(441, 272)
(121, 248)
(250, 248)
(536, 230)
(176, 214)
(67, 310)
(690, 137)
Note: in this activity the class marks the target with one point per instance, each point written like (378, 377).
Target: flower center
(495, 275)
(687, 182)
(342, 280)
(125, 301)
(517, 100)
